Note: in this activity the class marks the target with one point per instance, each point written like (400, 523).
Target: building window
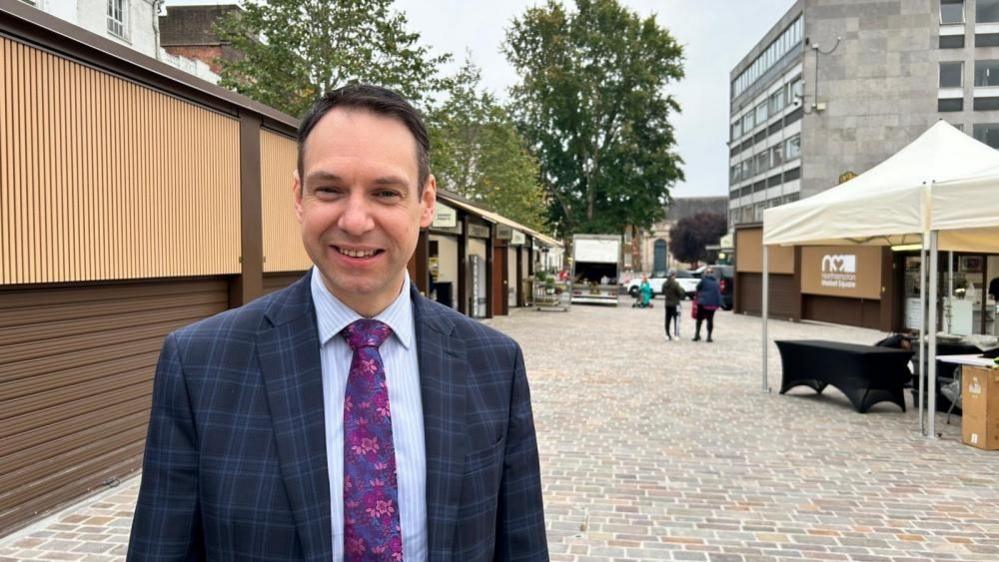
(776, 155)
(950, 74)
(987, 133)
(950, 104)
(986, 73)
(792, 175)
(776, 102)
(117, 12)
(792, 148)
(748, 121)
(763, 161)
(951, 11)
(987, 11)
(775, 51)
(737, 129)
(986, 104)
(761, 113)
(953, 41)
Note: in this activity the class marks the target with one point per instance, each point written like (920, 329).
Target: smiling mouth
(359, 254)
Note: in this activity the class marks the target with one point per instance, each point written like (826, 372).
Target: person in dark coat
(709, 299)
(673, 293)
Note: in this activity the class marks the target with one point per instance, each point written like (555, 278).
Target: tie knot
(366, 333)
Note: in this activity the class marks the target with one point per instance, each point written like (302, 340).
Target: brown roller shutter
(76, 371)
(277, 281)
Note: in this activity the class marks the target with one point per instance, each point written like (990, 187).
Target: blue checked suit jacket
(235, 462)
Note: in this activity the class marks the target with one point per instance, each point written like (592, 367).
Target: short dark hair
(380, 101)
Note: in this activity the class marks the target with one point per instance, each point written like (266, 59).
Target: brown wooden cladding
(784, 296)
(283, 250)
(749, 253)
(104, 179)
(864, 313)
(76, 370)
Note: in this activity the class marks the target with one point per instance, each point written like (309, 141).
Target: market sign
(478, 231)
(503, 232)
(841, 271)
(446, 217)
(518, 238)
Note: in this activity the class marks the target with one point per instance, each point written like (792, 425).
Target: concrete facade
(870, 84)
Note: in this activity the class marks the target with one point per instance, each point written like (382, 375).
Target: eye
(326, 191)
(388, 194)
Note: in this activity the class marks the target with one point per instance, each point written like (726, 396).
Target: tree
(478, 152)
(689, 236)
(591, 104)
(296, 50)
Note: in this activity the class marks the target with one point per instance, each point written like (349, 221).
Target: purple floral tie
(370, 492)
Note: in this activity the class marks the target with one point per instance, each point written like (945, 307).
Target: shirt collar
(332, 315)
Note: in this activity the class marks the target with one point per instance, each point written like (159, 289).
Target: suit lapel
(442, 382)
(288, 351)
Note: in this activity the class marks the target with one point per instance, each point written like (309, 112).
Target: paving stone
(654, 450)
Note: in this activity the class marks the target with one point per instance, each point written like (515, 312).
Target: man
(345, 417)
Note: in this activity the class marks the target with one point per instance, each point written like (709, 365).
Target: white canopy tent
(941, 190)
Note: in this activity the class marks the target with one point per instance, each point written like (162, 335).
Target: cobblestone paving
(655, 450)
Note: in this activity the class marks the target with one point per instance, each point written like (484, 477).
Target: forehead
(358, 137)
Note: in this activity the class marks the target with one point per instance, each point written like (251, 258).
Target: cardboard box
(980, 407)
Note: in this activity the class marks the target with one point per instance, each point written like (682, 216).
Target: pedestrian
(709, 298)
(346, 417)
(673, 293)
(645, 289)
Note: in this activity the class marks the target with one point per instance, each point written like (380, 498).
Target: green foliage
(296, 50)
(591, 104)
(689, 236)
(478, 153)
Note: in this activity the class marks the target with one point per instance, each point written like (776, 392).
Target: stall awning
(497, 218)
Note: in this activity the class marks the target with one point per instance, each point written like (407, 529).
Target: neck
(367, 306)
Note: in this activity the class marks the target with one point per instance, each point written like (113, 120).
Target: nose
(355, 219)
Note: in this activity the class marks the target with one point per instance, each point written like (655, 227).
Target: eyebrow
(384, 181)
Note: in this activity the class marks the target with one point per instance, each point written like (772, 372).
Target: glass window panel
(951, 11)
(987, 11)
(987, 72)
(987, 133)
(950, 74)
(761, 113)
(793, 147)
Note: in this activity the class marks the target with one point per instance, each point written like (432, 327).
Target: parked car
(725, 274)
(658, 279)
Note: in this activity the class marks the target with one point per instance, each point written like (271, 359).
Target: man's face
(360, 206)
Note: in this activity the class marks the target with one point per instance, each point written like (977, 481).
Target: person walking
(709, 298)
(673, 293)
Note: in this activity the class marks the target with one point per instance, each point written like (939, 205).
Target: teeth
(356, 253)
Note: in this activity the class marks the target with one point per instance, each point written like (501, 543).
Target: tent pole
(765, 313)
(950, 291)
(922, 335)
(931, 406)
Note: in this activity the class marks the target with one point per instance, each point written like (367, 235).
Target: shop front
(968, 291)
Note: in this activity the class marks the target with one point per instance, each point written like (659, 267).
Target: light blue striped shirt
(402, 375)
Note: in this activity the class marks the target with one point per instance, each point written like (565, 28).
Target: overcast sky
(715, 34)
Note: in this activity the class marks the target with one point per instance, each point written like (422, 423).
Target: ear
(296, 187)
(428, 202)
